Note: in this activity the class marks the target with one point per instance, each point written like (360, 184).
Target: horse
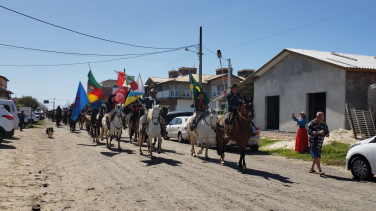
(240, 133)
(58, 118)
(72, 124)
(87, 123)
(153, 129)
(204, 130)
(93, 127)
(98, 124)
(115, 129)
(65, 118)
(81, 120)
(164, 113)
(134, 127)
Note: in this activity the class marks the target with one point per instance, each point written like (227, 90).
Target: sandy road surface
(77, 174)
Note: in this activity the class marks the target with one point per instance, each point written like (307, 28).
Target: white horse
(204, 131)
(153, 129)
(115, 129)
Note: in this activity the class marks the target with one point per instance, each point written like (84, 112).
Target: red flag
(126, 80)
(121, 94)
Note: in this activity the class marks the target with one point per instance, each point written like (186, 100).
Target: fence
(361, 123)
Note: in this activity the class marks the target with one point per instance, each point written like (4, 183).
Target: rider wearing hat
(149, 102)
(234, 103)
(200, 105)
(111, 105)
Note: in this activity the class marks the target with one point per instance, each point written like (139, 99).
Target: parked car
(12, 109)
(361, 159)
(27, 117)
(177, 129)
(6, 124)
(172, 115)
(253, 143)
(40, 114)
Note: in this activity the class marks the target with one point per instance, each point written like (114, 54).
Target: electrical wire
(293, 29)
(79, 63)
(91, 36)
(69, 53)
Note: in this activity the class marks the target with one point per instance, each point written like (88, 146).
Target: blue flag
(80, 102)
(96, 104)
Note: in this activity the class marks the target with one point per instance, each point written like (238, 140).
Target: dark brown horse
(240, 133)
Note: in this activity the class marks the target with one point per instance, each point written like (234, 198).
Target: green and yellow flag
(94, 89)
(195, 89)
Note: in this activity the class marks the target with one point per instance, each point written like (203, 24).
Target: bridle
(211, 117)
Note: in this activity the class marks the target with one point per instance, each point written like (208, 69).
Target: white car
(361, 159)
(12, 109)
(253, 143)
(6, 124)
(177, 129)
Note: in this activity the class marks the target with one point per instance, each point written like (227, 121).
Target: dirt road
(70, 172)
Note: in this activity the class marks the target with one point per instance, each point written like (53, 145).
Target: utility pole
(124, 70)
(229, 74)
(200, 65)
(54, 103)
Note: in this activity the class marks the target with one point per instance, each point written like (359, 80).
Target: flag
(94, 90)
(96, 104)
(80, 102)
(195, 89)
(135, 93)
(121, 94)
(126, 80)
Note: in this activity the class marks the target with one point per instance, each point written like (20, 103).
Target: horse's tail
(218, 151)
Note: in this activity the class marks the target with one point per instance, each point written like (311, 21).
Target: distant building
(175, 92)
(4, 92)
(311, 81)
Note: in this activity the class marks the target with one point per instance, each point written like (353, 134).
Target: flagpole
(194, 100)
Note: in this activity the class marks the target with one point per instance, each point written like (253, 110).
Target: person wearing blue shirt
(301, 141)
(234, 103)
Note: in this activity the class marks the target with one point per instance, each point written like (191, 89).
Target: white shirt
(155, 102)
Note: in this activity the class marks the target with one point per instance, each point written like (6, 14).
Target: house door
(272, 112)
(316, 103)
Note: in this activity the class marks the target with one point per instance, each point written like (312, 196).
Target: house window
(172, 94)
(183, 93)
(114, 86)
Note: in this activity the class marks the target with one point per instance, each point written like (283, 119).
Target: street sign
(46, 102)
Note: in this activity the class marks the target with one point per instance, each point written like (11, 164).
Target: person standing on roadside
(22, 120)
(301, 142)
(317, 131)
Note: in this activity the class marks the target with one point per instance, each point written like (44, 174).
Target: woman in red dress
(301, 143)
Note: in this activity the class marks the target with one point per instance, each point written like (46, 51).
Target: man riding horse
(111, 105)
(200, 105)
(149, 102)
(234, 104)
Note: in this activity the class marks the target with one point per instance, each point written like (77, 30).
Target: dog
(49, 131)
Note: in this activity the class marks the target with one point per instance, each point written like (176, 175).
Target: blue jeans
(315, 152)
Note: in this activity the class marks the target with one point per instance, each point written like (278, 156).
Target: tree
(42, 107)
(28, 102)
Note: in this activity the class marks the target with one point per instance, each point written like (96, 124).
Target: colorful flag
(121, 94)
(96, 104)
(195, 89)
(135, 93)
(126, 80)
(80, 102)
(94, 90)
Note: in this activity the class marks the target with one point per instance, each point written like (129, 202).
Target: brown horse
(240, 133)
(81, 120)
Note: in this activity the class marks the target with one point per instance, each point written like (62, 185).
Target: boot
(226, 131)
(164, 131)
(193, 125)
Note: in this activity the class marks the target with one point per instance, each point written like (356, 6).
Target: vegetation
(40, 122)
(332, 154)
(264, 142)
(28, 101)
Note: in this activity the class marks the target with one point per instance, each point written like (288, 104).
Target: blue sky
(167, 24)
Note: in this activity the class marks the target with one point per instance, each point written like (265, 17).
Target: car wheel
(254, 148)
(166, 137)
(1, 137)
(180, 138)
(361, 169)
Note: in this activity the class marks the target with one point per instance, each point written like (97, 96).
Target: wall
(357, 85)
(372, 102)
(184, 105)
(3, 83)
(292, 79)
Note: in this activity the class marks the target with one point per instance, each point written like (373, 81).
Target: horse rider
(58, 110)
(234, 104)
(149, 102)
(200, 105)
(111, 105)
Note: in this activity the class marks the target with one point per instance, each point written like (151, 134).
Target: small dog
(49, 131)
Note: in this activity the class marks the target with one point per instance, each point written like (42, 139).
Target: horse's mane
(150, 115)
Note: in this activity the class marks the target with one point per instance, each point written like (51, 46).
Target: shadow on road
(266, 175)
(6, 141)
(115, 149)
(109, 154)
(14, 138)
(161, 160)
(2, 146)
(373, 180)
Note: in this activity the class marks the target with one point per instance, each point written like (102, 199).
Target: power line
(87, 35)
(68, 53)
(293, 29)
(79, 63)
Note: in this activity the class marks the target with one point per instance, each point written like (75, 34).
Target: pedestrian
(301, 141)
(22, 120)
(317, 131)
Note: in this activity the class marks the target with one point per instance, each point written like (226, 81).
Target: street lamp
(200, 65)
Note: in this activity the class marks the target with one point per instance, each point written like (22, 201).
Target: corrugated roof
(340, 59)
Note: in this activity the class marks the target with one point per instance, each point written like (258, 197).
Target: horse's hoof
(159, 152)
(245, 170)
(222, 163)
(207, 158)
(141, 153)
(119, 148)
